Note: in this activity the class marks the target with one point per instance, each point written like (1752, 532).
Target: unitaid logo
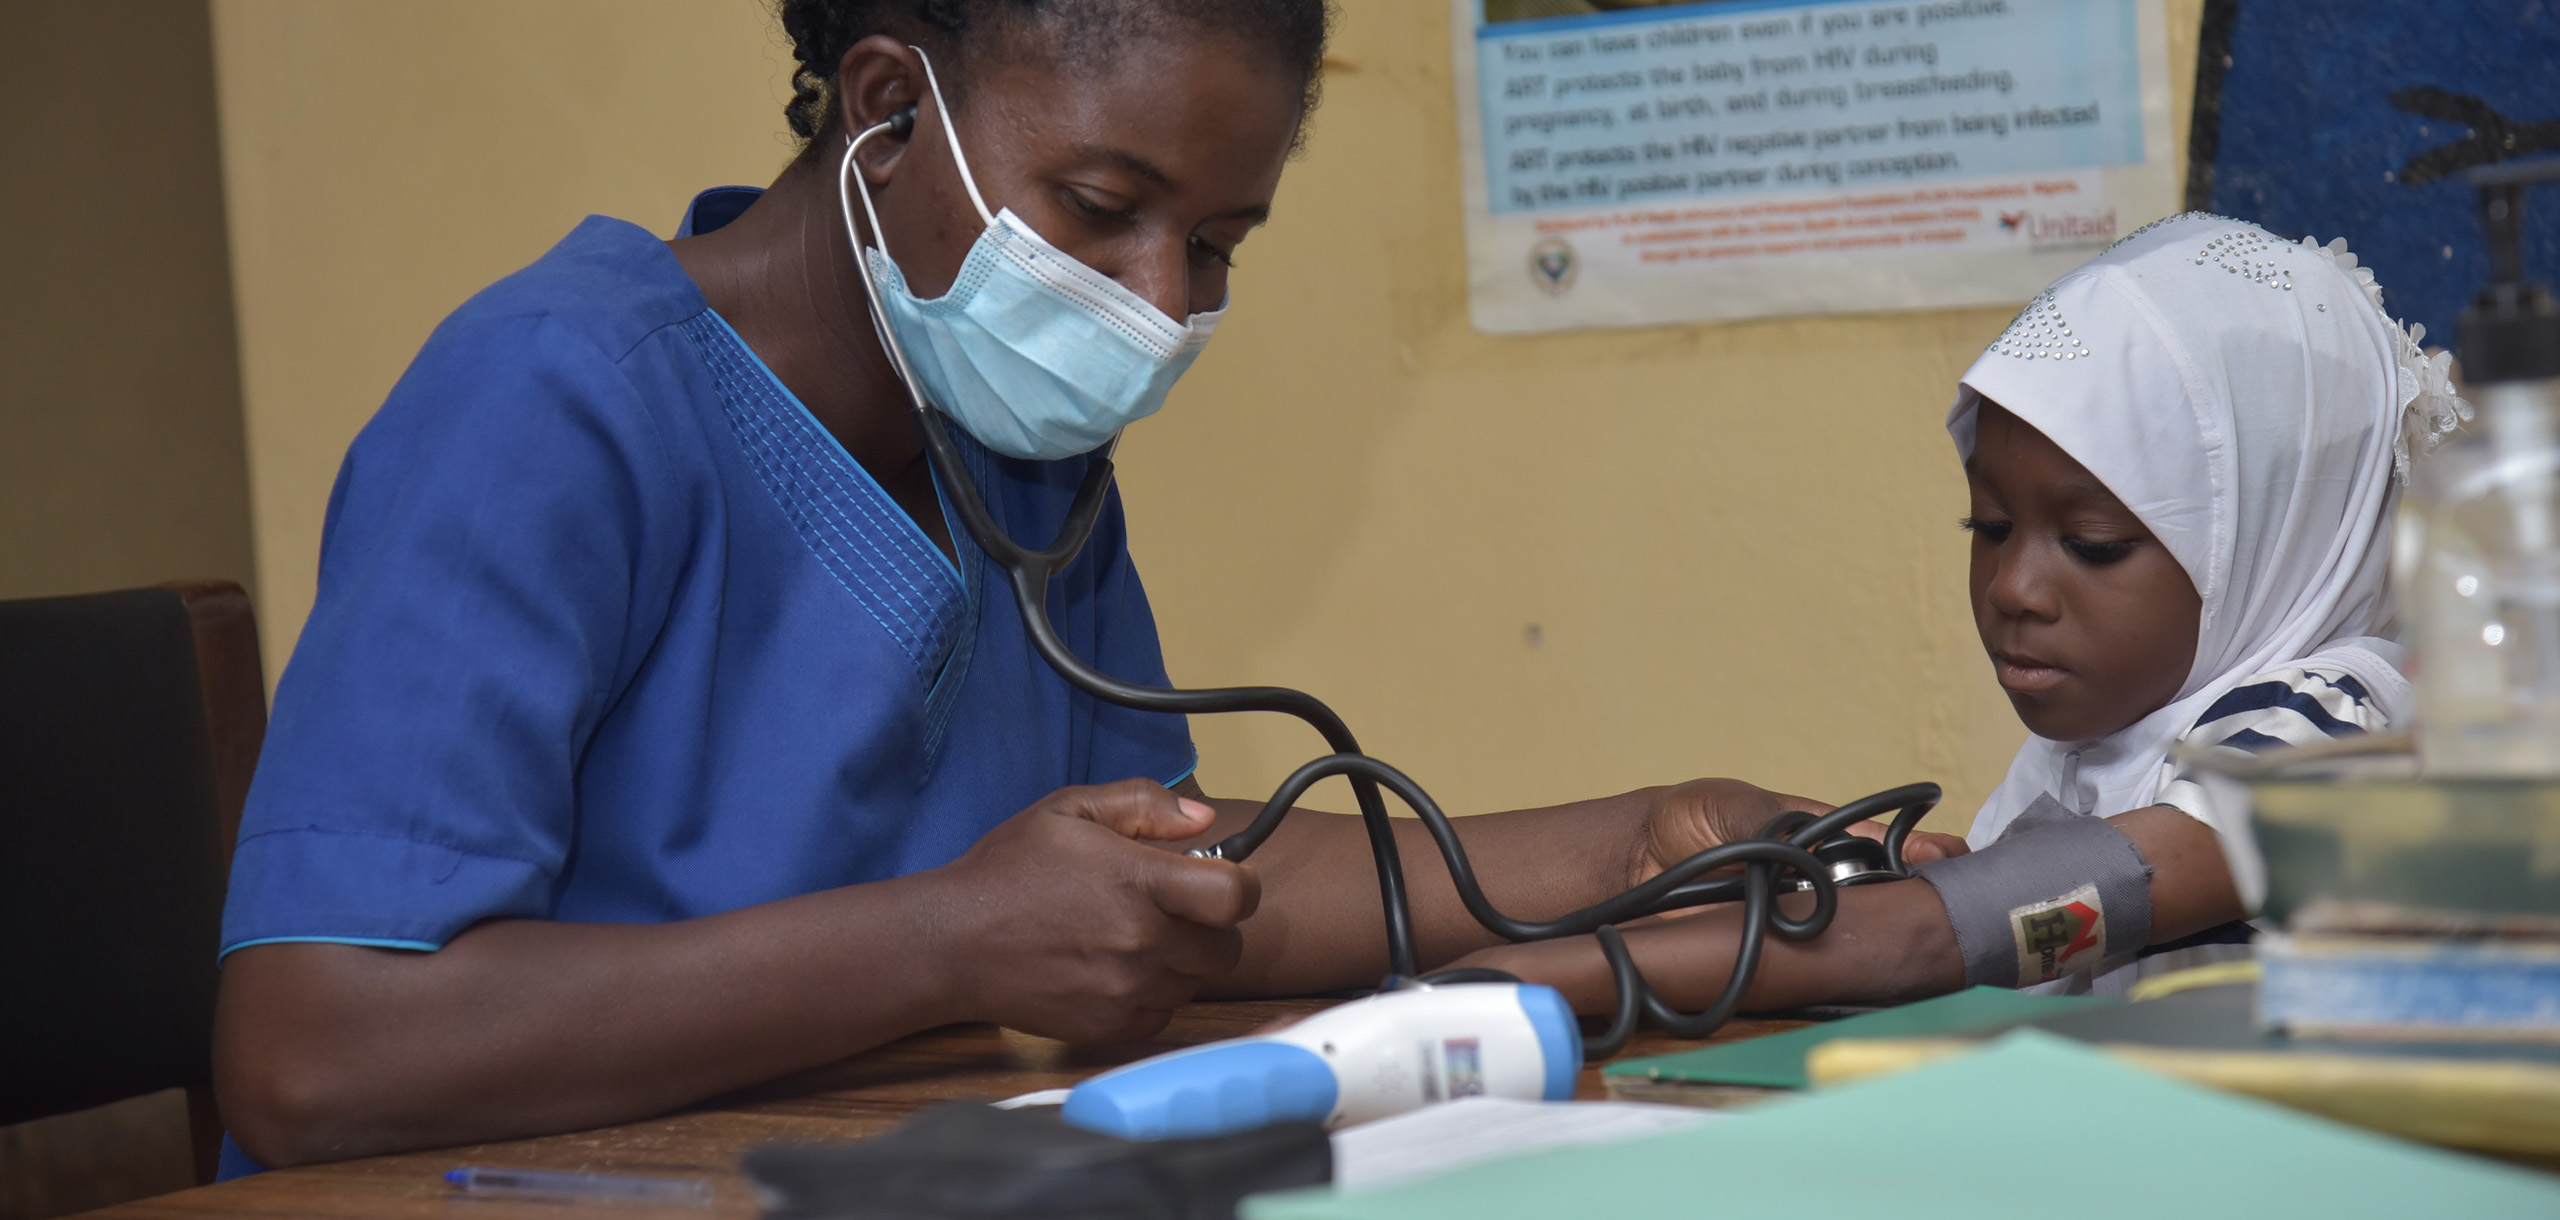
(1552, 265)
(2061, 228)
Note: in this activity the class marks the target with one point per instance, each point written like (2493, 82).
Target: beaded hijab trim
(2040, 333)
(2422, 381)
(2430, 410)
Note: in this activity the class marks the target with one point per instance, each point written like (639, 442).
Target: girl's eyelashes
(2095, 554)
(1988, 531)
(2099, 554)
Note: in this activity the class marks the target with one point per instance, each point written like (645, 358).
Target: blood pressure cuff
(2056, 894)
(965, 1161)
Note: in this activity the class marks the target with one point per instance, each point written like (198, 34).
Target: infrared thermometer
(1392, 1052)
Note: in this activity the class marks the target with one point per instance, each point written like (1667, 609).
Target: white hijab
(2244, 397)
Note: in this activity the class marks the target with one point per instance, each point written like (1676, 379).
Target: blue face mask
(1033, 353)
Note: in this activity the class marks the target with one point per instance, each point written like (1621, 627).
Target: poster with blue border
(1637, 163)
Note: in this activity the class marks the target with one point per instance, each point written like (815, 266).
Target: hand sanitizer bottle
(2486, 584)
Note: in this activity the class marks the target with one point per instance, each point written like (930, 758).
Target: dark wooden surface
(861, 1096)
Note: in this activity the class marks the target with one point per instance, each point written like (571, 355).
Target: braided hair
(1079, 31)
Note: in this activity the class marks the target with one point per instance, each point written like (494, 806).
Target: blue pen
(539, 1184)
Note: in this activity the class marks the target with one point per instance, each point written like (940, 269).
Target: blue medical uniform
(609, 628)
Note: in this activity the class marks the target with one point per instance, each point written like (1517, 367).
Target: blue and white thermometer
(1392, 1052)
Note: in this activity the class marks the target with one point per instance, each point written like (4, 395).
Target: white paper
(1043, 1097)
(1438, 1138)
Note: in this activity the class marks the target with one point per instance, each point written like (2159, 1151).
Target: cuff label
(2059, 936)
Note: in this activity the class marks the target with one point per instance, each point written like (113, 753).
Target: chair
(129, 728)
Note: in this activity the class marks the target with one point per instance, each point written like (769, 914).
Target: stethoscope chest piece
(1853, 861)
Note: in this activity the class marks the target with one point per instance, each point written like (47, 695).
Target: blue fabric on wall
(2311, 142)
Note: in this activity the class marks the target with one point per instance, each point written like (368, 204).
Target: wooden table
(861, 1096)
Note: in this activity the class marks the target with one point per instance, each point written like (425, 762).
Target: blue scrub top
(610, 629)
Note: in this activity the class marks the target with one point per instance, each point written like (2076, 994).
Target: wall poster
(1635, 163)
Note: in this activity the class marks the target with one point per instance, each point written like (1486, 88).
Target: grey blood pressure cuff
(2056, 894)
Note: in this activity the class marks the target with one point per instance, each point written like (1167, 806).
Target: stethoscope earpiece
(902, 121)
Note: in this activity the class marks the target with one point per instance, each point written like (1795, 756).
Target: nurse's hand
(1061, 923)
(1700, 814)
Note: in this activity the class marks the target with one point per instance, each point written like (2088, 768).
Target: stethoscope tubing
(1782, 849)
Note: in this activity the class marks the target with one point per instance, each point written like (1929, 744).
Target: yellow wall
(385, 161)
(120, 443)
(1524, 569)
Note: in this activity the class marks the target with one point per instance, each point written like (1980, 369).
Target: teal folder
(2032, 1127)
(1777, 1061)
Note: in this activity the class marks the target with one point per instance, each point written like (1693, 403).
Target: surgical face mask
(1033, 353)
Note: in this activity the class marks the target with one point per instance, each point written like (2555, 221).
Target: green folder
(2033, 1126)
(1777, 1061)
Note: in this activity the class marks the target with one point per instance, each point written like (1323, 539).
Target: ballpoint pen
(535, 1183)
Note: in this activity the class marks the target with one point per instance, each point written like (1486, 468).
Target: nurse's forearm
(1320, 926)
(525, 1027)
(1058, 922)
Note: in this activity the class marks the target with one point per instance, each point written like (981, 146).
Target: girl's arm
(1321, 926)
(1889, 941)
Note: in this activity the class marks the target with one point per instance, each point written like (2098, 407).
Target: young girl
(2183, 461)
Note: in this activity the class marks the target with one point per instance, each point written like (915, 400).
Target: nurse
(655, 733)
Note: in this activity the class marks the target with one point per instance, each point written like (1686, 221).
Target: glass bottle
(2486, 584)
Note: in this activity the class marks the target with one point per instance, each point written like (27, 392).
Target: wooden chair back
(129, 728)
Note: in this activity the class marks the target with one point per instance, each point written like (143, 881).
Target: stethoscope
(1794, 852)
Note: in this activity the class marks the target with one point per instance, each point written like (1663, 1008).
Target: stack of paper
(2494, 1097)
(1757, 1069)
(1437, 1139)
(2032, 1127)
